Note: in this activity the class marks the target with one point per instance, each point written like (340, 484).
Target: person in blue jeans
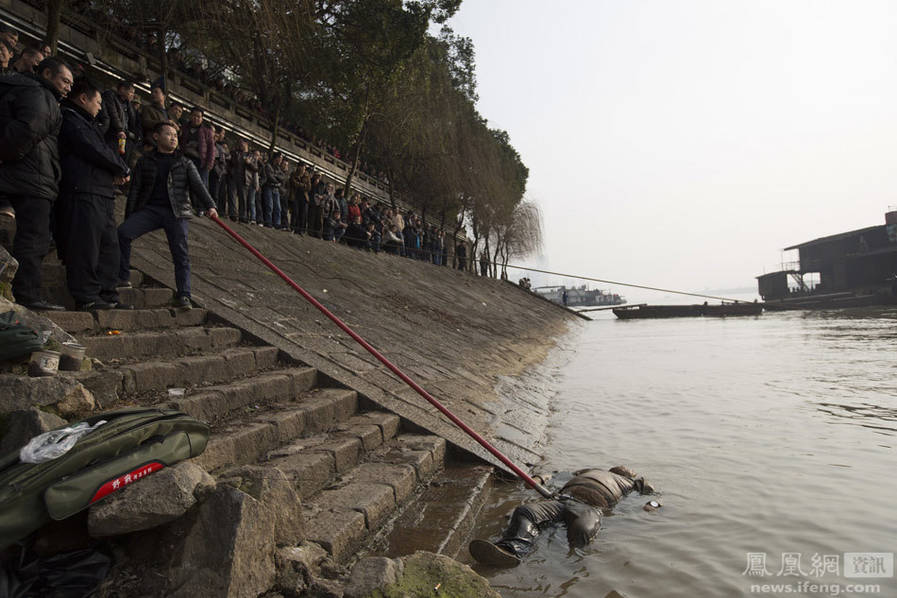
(160, 198)
(274, 178)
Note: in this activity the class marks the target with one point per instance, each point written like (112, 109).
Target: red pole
(392, 367)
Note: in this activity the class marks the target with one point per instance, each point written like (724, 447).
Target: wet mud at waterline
(771, 441)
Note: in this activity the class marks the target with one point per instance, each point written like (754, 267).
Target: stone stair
(354, 468)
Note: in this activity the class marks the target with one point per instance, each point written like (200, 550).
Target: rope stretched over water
(627, 284)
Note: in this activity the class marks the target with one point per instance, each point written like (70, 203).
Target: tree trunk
(389, 186)
(356, 151)
(494, 265)
(458, 224)
(163, 59)
(54, 15)
(274, 130)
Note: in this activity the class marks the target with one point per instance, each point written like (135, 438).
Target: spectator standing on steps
(159, 199)
(198, 143)
(30, 120)
(86, 237)
(122, 117)
(153, 113)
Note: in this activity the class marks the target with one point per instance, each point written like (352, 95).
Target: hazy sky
(684, 143)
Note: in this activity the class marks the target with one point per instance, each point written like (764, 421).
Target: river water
(771, 440)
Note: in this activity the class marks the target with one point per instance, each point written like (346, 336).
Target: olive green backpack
(131, 444)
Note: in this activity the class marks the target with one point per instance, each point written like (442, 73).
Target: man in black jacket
(29, 167)
(85, 217)
(159, 198)
(122, 118)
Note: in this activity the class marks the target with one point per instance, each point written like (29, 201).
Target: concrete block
(136, 278)
(228, 551)
(266, 357)
(309, 471)
(400, 477)
(424, 442)
(339, 533)
(107, 386)
(422, 461)
(224, 337)
(154, 375)
(345, 451)
(375, 501)
(209, 405)
(303, 379)
(370, 435)
(240, 361)
(206, 369)
(388, 422)
(188, 317)
(72, 321)
(189, 340)
(239, 445)
(287, 424)
(156, 296)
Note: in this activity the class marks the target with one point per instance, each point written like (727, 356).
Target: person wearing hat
(579, 505)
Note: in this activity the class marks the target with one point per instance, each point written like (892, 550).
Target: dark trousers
(31, 244)
(528, 520)
(148, 219)
(194, 199)
(284, 210)
(214, 179)
(238, 198)
(90, 245)
(315, 220)
(224, 200)
(300, 214)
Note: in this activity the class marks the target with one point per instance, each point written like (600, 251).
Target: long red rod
(393, 368)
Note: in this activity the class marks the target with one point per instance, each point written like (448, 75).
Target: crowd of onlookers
(196, 66)
(67, 148)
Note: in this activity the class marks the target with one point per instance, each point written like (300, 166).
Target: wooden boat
(633, 312)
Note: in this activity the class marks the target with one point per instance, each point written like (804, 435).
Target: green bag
(132, 444)
(16, 339)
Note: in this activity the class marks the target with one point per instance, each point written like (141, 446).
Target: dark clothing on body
(586, 494)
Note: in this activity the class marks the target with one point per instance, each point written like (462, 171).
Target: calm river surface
(764, 436)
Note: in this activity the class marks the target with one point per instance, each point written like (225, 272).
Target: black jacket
(183, 175)
(119, 114)
(88, 163)
(29, 125)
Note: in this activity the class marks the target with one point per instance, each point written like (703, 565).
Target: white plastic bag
(55, 443)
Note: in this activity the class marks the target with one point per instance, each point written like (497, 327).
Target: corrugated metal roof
(838, 237)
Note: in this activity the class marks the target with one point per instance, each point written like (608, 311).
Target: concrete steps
(135, 320)
(442, 517)
(149, 378)
(177, 342)
(356, 475)
(350, 511)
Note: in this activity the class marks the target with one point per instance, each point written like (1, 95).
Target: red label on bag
(125, 479)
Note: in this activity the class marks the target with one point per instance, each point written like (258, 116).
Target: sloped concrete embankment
(302, 470)
(452, 332)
